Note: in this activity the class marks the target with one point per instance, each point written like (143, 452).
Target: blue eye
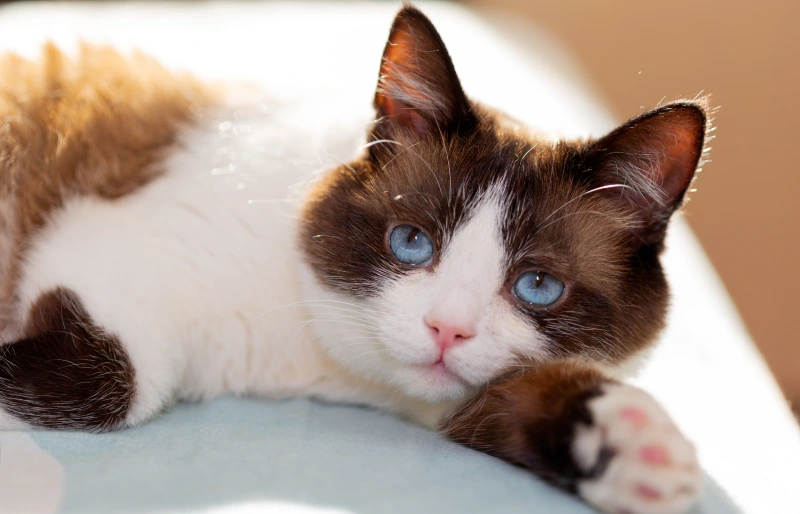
(538, 288)
(410, 245)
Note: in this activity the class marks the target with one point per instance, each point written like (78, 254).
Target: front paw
(638, 461)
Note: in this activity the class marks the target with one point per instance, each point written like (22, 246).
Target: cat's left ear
(418, 89)
(647, 164)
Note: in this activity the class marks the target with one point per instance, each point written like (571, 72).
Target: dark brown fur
(529, 420)
(65, 372)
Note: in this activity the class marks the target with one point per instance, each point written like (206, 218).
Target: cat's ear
(648, 163)
(418, 88)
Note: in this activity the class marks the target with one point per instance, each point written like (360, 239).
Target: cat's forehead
(445, 179)
(499, 150)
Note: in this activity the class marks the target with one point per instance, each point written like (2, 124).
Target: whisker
(333, 310)
(312, 302)
(308, 322)
(529, 151)
(350, 315)
(380, 141)
(370, 335)
(346, 346)
(447, 157)
(601, 188)
(427, 164)
(599, 213)
(357, 356)
(398, 155)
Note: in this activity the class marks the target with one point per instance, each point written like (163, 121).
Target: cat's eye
(538, 288)
(411, 245)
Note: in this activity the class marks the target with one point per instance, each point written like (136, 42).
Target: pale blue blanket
(244, 455)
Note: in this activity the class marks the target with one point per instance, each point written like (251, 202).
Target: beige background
(746, 210)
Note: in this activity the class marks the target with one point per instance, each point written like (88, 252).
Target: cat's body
(223, 204)
(167, 241)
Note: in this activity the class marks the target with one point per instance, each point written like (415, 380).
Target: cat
(164, 240)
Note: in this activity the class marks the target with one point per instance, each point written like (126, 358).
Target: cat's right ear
(647, 164)
(418, 90)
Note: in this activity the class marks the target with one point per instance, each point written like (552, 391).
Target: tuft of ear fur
(648, 163)
(418, 88)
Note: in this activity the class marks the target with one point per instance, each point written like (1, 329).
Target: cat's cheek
(345, 327)
(402, 309)
(408, 343)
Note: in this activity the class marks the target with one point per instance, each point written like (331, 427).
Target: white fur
(677, 482)
(195, 273)
(463, 289)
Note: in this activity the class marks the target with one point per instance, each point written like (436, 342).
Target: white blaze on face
(464, 290)
(470, 272)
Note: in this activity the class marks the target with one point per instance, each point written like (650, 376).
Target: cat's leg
(66, 372)
(607, 442)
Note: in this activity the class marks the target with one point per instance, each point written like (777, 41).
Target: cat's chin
(432, 383)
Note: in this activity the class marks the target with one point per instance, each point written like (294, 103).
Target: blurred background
(746, 210)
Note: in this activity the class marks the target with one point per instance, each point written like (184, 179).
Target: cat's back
(96, 123)
(166, 205)
(92, 125)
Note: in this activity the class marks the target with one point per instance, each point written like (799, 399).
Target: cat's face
(461, 247)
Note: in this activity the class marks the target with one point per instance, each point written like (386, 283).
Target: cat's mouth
(440, 367)
(442, 371)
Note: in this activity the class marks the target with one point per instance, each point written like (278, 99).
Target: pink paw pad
(655, 455)
(635, 416)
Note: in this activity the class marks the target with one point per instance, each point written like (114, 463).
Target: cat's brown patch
(65, 372)
(96, 125)
(529, 419)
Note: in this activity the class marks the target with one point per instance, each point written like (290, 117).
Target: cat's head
(461, 246)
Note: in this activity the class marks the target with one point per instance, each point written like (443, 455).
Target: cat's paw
(639, 461)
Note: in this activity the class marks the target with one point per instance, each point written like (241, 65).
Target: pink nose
(448, 335)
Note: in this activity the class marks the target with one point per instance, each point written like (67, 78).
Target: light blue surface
(234, 451)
